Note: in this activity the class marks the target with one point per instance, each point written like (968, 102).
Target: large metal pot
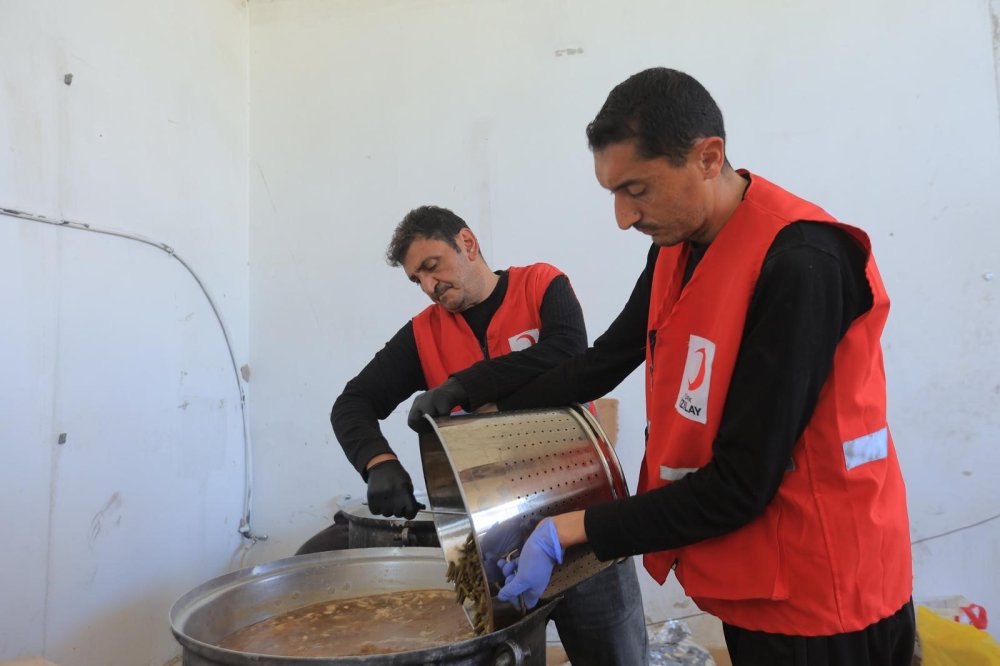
(497, 475)
(207, 614)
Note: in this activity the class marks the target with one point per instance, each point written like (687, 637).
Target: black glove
(436, 402)
(390, 491)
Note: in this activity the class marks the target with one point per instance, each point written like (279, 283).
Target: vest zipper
(652, 351)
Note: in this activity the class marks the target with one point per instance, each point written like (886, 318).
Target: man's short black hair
(663, 110)
(431, 222)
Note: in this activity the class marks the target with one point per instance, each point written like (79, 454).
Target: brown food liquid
(377, 624)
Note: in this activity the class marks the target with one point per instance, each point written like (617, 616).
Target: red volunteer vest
(831, 552)
(446, 344)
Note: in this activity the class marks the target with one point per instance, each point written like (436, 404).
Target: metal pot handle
(510, 653)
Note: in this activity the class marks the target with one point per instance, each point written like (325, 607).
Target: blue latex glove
(499, 541)
(528, 574)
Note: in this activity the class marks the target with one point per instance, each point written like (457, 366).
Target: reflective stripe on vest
(874, 446)
(675, 473)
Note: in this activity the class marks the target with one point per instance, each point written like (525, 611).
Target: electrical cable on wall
(957, 529)
(245, 529)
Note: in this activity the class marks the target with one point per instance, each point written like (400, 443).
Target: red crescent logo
(695, 384)
(526, 336)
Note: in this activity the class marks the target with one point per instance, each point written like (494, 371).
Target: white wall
(111, 341)
(885, 113)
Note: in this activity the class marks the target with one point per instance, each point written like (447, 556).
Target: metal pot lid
(359, 512)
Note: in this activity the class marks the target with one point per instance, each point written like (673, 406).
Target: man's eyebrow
(421, 267)
(622, 185)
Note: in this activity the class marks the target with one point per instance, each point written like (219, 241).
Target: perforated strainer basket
(495, 476)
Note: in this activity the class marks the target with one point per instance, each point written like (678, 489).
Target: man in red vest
(485, 333)
(770, 484)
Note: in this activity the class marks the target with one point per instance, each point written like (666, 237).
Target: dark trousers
(888, 642)
(600, 620)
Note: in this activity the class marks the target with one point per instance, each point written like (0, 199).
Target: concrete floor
(556, 656)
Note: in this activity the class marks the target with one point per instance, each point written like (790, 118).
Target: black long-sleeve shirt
(395, 372)
(812, 285)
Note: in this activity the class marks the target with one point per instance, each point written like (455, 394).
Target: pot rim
(184, 607)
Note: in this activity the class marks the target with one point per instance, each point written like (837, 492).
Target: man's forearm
(382, 457)
(391, 376)
(357, 431)
(571, 529)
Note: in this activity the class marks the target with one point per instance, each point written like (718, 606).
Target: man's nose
(626, 213)
(428, 283)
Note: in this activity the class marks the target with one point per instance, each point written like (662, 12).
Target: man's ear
(711, 153)
(468, 244)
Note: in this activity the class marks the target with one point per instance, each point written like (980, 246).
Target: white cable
(245, 529)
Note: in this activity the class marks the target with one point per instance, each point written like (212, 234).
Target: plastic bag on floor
(671, 645)
(944, 642)
(959, 609)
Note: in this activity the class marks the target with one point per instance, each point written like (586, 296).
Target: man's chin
(665, 241)
(451, 306)
(656, 238)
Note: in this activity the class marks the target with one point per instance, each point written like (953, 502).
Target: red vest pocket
(752, 558)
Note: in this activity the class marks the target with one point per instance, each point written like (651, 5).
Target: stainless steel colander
(502, 473)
